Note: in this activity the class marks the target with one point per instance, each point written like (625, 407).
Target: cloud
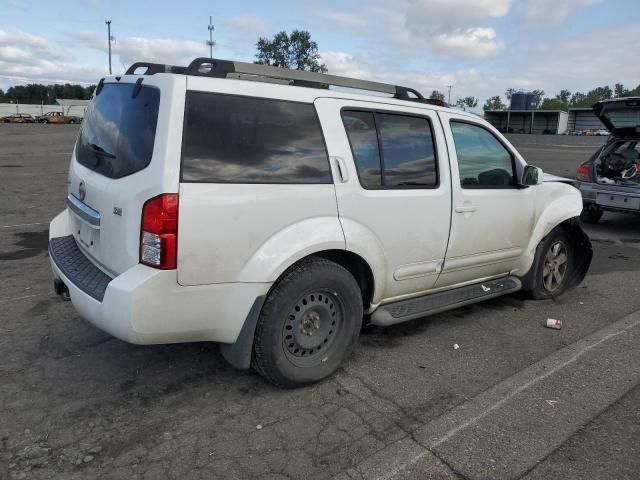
(443, 27)
(128, 50)
(239, 34)
(475, 42)
(454, 13)
(551, 11)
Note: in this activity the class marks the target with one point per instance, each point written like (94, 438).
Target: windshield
(119, 130)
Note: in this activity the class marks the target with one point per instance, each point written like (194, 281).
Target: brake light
(583, 173)
(159, 232)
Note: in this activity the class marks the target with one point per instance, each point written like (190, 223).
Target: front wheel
(308, 324)
(555, 258)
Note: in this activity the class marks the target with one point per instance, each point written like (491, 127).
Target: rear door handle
(465, 209)
(342, 168)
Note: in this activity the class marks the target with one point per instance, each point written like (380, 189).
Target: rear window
(118, 131)
(232, 139)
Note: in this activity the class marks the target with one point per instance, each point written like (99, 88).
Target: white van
(256, 207)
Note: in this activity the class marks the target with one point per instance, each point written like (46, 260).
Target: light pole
(210, 42)
(108, 22)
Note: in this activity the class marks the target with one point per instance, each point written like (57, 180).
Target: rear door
(492, 218)
(392, 187)
(126, 153)
(256, 184)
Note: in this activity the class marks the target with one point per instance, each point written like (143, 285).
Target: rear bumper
(612, 199)
(148, 306)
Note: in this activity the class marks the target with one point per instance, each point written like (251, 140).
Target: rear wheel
(308, 324)
(555, 259)
(72, 121)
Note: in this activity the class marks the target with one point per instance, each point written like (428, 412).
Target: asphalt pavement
(76, 403)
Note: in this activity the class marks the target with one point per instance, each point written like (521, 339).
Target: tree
(619, 90)
(538, 95)
(437, 95)
(635, 92)
(553, 104)
(467, 102)
(509, 93)
(296, 51)
(564, 96)
(494, 103)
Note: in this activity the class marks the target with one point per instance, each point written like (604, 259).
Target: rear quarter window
(234, 139)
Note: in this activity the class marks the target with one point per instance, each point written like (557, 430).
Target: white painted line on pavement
(622, 326)
(20, 298)
(21, 225)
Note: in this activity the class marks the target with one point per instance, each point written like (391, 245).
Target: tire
(308, 324)
(554, 264)
(45, 121)
(72, 121)
(591, 213)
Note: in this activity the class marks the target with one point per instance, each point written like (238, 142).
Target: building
(550, 122)
(581, 119)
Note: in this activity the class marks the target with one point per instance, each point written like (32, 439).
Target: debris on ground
(456, 346)
(553, 323)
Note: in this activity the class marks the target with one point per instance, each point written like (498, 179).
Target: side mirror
(531, 176)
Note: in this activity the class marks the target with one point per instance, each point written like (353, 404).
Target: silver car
(610, 179)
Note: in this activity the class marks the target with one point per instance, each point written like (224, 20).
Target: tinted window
(483, 161)
(403, 144)
(407, 151)
(229, 139)
(118, 131)
(361, 130)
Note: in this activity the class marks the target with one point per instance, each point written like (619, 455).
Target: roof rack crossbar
(226, 68)
(153, 68)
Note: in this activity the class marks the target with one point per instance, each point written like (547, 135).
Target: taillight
(159, 232)
(583, 173)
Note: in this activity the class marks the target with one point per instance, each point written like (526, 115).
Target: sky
(479, 47)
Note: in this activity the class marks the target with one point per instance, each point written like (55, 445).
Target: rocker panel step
(439, 302)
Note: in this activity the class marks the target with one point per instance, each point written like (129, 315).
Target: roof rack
(212, 67)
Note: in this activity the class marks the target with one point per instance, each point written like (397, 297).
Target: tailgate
(123, 157)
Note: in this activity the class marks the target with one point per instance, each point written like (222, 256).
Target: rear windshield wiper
(98, 150)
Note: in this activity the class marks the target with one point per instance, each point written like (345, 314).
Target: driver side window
(483, 162)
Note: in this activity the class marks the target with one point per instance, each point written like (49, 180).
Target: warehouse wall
(11, 108)
(580, 120)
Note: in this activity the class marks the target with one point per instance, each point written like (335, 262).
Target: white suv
(255, 207)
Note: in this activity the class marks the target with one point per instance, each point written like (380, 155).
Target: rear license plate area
(88, 236)
(618, 201)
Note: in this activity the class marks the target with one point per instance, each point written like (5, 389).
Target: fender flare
(583, 252)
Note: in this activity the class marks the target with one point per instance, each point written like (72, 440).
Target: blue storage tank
(522, 101)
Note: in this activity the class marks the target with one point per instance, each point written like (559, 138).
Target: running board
(439, 302)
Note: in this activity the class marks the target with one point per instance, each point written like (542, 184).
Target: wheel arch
(238, 354)
(583, 253)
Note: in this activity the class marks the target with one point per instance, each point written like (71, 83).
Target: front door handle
(465, 209)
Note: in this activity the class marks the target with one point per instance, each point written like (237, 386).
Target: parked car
(601, 132)
(18, 118)
(610, 179)
(252, 206)
(58, 117)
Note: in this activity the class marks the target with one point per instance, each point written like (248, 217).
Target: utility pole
(449, 100)
(210, 42)
(108, 22)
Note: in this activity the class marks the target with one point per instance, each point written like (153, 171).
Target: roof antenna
(210, 42)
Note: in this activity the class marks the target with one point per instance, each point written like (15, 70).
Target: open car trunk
(618, 162)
